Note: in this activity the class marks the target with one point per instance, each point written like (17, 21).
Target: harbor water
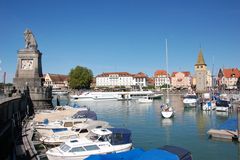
(188, 128)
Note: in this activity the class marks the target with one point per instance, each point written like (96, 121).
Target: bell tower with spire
(201, 73)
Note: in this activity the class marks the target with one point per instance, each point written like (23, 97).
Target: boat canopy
(120, 136)
(182, 153)
(85, 114)
(164, 153)
(222, 103)
(156, 154)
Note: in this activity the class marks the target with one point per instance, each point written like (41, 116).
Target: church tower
(201, 73)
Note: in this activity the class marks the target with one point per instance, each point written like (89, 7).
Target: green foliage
(238, 83)
(149, 87)
(165, 86)
(80, 78)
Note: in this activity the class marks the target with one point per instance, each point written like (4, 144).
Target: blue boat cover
(85, 114)
(222, 103)
(120, 136)
(157, 154)
(230, 124)
(59, 129)
(128, 155)
(182, 153)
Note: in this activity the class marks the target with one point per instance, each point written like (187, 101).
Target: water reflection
(187, 128)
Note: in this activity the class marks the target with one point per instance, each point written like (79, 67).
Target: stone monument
(29, 73)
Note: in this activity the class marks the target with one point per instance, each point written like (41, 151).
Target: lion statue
(30, 41)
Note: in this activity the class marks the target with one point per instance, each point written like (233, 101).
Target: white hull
(82, 156)
(222, 109)
(109, 96)
(145, 100)
(167, 114)
(208, 107)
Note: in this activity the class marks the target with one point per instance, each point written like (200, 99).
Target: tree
(80, 78)
(238, 83)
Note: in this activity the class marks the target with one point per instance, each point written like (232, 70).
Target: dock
(229, 130)
(223, 134)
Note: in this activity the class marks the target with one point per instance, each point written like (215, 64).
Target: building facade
(209, 79)
(161, 78)
(181, 80)
(114, 79)
(56, 81)
(201, 74)
(228, 78)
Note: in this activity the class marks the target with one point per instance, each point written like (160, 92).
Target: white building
(56, 80)
(161, 78)
(228, 77)
(113, 79)
(181, 80)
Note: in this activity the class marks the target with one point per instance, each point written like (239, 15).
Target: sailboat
(166, 110)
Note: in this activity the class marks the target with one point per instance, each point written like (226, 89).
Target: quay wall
(12, 112)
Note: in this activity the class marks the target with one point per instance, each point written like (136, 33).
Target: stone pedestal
(29, 76)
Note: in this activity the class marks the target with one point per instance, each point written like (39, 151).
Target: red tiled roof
(228, 73)
(150, 81)
(58, 77)
(140, 75)
(122, 74)
(186, 73)
(160, 72)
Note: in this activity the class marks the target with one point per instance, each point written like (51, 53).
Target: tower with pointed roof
(201, 73)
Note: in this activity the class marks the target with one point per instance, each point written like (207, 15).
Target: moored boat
(223, 106)
(77, 131)
(190, 100)
(145, 99)
(166, 111)
(106, 96)
(98, 141)
(209, 105)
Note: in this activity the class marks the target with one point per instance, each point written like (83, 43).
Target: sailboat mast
(167, 100)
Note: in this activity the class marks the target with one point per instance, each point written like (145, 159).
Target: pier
(14, 112)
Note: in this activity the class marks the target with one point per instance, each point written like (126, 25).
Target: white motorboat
(223, 106)
(98, 141)
(167, 112)
(209, 105)
(77, 131)
(190, 100)
(45, 127)
(145, 99)
(48, 128)
(58, 113)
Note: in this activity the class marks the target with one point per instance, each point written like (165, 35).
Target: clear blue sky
(121, 35)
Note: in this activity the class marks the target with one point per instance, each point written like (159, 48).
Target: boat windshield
(92, 136)
(64, 147)
(191, 96)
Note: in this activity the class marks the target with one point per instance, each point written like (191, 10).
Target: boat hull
(222, 109)
(167, 114)
(82, 156)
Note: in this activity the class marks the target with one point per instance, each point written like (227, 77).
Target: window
(77, 149)
(83, 131)
(68, 124)
(91, 147)
(64, 147)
